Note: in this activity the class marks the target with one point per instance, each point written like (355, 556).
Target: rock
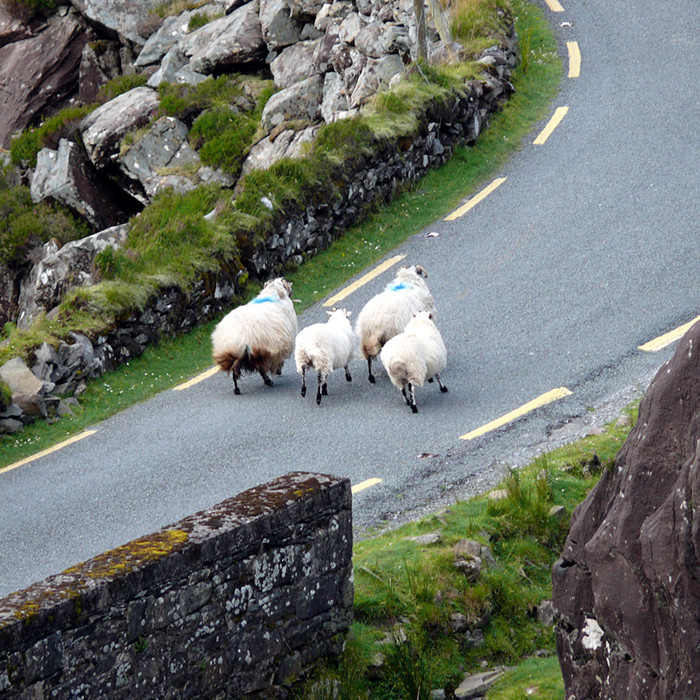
(375, 76)
(60, 270)
(99, 63)
(545, 613)
(295, 63)
(286, 144)
(66, 176)
(335, 101)
(377, 39)
(279, 28)
(39, 74)
(103, 129)
(470, 568)
(459, 623)
(234, 39)
(557, 512)
(498, 494)
(20, 378)
(170, 33)
(170, 66)
(477, 685)
(165, 145)
(299, 101)
(625, 589)
(125, 19)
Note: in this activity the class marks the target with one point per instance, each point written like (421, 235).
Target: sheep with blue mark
(325, 347)
(257, 336)
(387, 313)
(415, 356)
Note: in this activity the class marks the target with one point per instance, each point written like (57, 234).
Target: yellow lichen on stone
(127, 557)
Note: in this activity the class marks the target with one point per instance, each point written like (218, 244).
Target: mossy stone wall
(229, 602)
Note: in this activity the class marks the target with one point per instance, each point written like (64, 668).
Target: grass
(386, 227)
(403, 645)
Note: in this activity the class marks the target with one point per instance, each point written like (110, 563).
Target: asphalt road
(588, 249)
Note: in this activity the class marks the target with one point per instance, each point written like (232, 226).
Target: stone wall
(229, 602)
(299, 235)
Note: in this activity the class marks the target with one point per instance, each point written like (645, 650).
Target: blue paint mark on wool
(262, 300)
(398, 286)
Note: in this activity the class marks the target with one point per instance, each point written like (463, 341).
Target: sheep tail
(371, 346)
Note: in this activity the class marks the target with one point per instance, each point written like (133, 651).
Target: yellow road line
(558, 115)
(476, 199)
(48, 451)
(574, 59)
(542, 400)
(365, 485)
(667, 338)
(363, 280)
(199, 378)
(554, 6)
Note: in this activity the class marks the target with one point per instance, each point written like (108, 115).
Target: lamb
(414, 356)
(325, 347)
(257, 336)
(386, 314)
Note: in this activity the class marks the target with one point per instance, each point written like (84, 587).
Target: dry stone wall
(294, 237)
(229, 602)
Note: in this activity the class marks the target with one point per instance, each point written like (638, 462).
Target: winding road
(581, 251)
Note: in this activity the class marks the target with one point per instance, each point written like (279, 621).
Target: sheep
(257, 336)
(414, 356)
(325, 347)
(387, 313)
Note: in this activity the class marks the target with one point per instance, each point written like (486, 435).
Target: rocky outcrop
(627, 586)
(119, 18)
(39, 72)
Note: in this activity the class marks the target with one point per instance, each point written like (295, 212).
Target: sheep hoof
(236, 391)
(414, 408)
(303, 391)
(430, 381)
(371, 379)
(443, 389)
(324, 391)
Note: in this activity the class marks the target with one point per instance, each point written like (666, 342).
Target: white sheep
(257, 336)
(386, 314)
(414, 356)
(325, 347)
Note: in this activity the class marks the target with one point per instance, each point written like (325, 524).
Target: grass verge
(536, 82)
(421, 624)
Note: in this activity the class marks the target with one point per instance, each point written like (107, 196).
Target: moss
(5, 395)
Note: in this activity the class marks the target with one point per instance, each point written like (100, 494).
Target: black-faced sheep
(415, 356)
(386, 314)
(325, 347)
(258, 336)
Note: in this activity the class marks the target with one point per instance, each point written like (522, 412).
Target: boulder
(377, 39)
(170, 66)
(123, 19)
(170, 33)
(103, 129)
(299, 101)
(20, 378)
(279, 28)
(626, 590)
(61, 269)
(39, 74)
(165, 145)
(67, 176)
(376, 75)
(335, 101)
(99, 63)
(287, 144)
(234, 39)
(295, 63)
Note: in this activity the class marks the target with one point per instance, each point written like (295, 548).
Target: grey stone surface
(228, 602)
(103, 129)
(122, 18)
(301, 100)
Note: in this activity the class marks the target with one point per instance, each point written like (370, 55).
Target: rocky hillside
(157, 155)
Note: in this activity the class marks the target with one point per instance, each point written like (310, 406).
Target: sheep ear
(421, 271)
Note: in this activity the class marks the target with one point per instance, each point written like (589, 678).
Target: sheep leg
(369, 370)
(348, 378)
(412, 402)
(236, 373)
(320, 389)
(443, 388)
(303, 380)
(405, 396)
(265, 378)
